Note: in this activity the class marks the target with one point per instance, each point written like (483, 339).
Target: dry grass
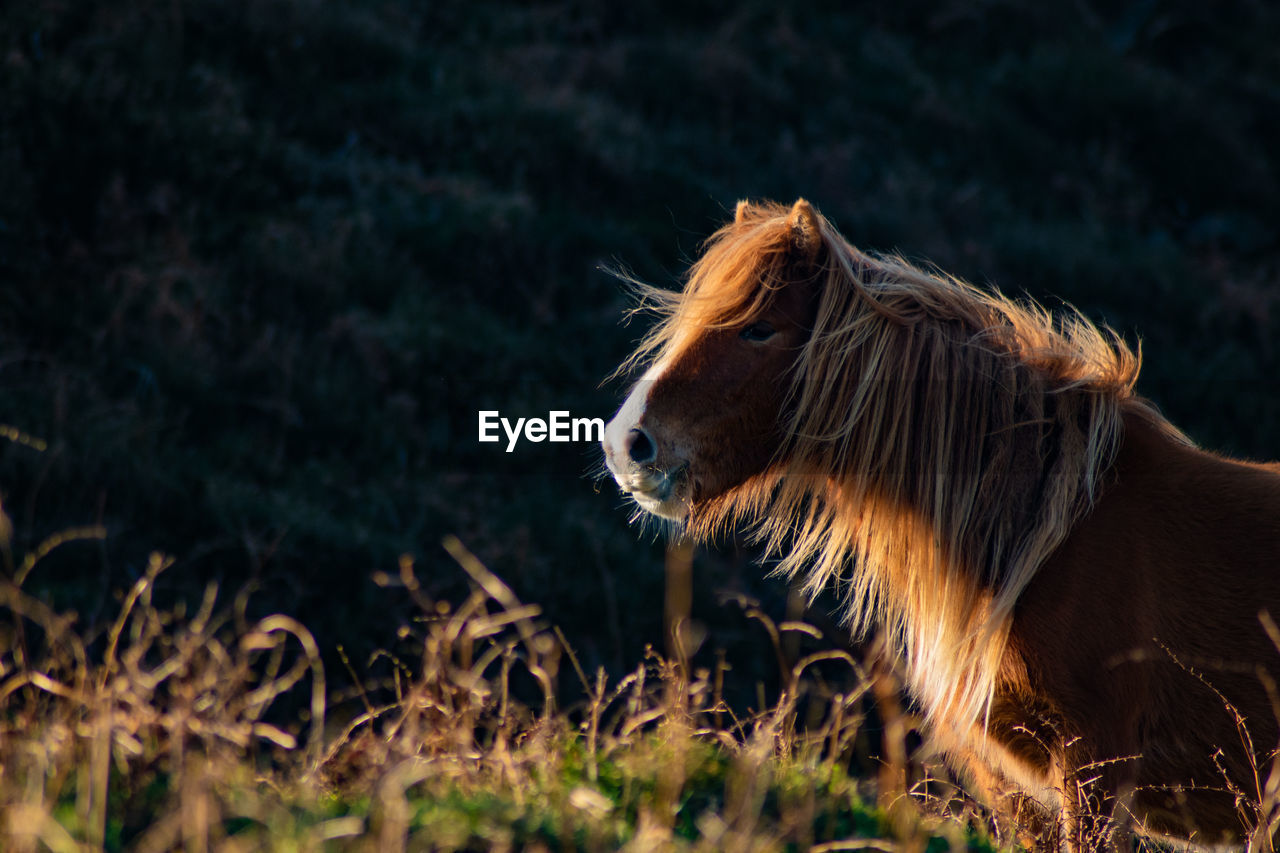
(200, 729)
(204, 730)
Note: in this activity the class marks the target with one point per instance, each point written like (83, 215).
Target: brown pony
(1075, 590)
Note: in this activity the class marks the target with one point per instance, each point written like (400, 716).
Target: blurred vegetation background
(262, 261)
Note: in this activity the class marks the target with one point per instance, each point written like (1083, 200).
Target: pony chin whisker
(655, 527)
(597, 471)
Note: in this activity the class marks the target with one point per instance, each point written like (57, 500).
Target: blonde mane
(941, 440)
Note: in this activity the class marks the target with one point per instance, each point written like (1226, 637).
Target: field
(170, 742)
(262, 262)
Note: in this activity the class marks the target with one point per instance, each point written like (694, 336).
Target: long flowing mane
(940, 440)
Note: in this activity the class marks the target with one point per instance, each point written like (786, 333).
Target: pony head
(708, 412)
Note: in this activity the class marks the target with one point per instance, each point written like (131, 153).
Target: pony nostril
(640, 447)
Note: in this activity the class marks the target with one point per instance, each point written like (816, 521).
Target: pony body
(1073, 589)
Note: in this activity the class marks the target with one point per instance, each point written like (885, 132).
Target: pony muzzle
(632, 455)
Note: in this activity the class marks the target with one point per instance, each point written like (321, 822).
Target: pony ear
(806, 235)
(741, 213)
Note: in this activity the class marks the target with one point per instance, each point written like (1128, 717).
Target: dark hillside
(263, 261)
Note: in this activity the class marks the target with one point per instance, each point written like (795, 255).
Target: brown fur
(1073, 588)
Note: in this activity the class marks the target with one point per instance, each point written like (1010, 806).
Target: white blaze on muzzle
(631, 453)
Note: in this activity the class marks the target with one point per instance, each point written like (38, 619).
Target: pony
(1077, 596)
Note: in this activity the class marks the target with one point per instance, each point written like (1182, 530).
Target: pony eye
(757, 332)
